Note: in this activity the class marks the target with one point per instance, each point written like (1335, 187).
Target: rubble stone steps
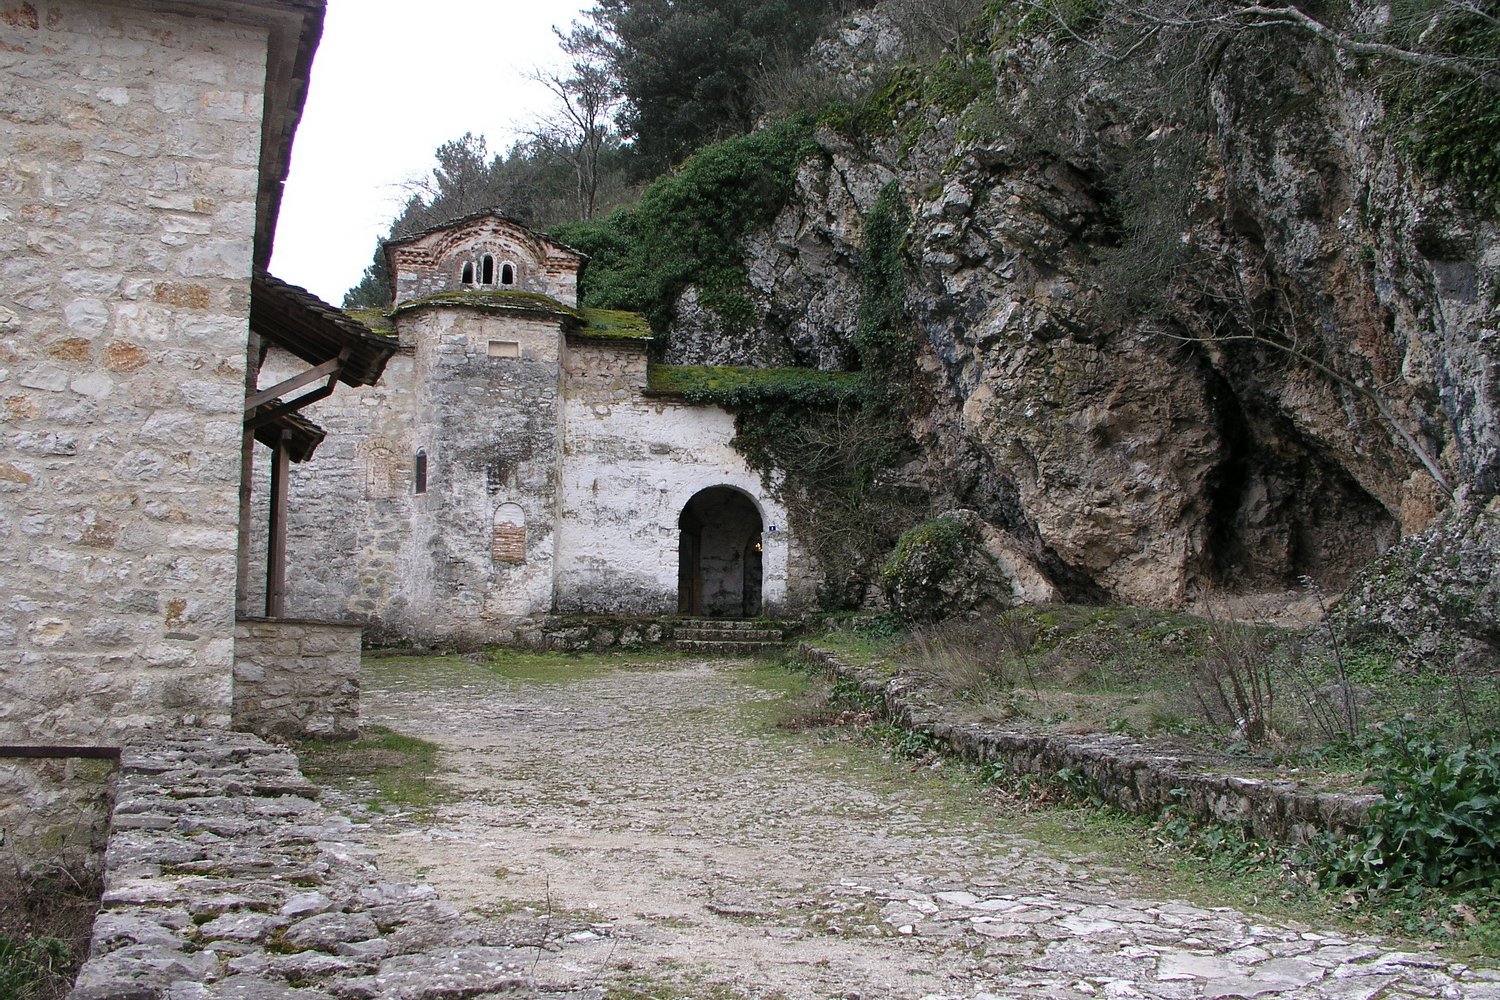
(224, 878)
(732, 635)
(737, 636)
(732, 648)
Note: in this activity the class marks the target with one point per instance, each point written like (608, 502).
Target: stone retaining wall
(297, 679)
(225, 878)
(53, 808)
(1125, 772)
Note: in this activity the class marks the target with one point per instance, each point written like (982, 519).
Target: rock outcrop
(1313, 378)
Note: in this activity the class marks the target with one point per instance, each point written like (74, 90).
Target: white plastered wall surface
(631, 464)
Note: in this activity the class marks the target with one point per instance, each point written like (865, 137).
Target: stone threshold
(1127, 773)
(224, 878)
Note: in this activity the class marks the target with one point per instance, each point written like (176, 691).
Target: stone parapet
(297, 679)
(224, 877)
(1124, 772)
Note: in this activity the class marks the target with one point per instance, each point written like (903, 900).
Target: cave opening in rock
(719, 555)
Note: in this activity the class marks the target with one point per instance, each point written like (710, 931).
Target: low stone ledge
(1127, 773)
(225, 878)
(297, 679)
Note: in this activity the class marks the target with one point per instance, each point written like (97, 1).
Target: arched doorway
(718, 557)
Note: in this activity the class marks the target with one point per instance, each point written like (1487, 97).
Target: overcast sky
(392, 80)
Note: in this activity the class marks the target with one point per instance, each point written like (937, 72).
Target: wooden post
(276, 535)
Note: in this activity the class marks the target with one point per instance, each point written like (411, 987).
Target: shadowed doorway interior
(719, 555)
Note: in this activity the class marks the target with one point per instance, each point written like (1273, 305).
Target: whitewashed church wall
(631, 463)
(131, 165)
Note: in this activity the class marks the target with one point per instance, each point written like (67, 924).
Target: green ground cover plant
(46, 914)
(399, 773)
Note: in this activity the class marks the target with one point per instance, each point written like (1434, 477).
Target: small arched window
(487, 270)
(468, 275)
(419, 471)
(507, 274)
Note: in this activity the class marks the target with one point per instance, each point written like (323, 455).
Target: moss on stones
(615, 324)
(509, 301)
(732, 386)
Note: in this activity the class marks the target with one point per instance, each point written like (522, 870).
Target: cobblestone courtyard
(650, 831)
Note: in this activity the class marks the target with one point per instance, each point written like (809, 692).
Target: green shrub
(737, 387)
(1438, 822)
(688, 226)
(1441, 814)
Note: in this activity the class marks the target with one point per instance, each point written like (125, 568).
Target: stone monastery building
(211, 482)
(514, 462)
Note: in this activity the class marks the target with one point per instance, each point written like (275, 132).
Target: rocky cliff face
(1314, 376)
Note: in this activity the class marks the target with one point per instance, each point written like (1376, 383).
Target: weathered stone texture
(1125, 772)
(297, 679)
(225, 878)
(52, 807)
(126, 224)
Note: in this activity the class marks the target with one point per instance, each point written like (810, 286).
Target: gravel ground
(645, 830)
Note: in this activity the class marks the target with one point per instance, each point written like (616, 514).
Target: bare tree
(581, 126)
(938, 26)
(1413, 35)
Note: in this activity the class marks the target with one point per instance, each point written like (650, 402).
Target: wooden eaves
(339, 349)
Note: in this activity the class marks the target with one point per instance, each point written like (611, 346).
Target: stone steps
(739, 637)
(730, 634)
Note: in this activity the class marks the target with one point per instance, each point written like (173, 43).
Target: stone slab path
(646, 829)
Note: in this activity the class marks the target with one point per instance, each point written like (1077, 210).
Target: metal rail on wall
(61, 753)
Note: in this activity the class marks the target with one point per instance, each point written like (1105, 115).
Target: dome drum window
(485, 271)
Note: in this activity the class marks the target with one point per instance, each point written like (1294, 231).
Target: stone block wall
(50, 808)
(297, 679)
(126, 226)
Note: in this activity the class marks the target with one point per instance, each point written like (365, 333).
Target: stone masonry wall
(126, 224)
(631, 464)
(53, 808)
(297, 679)
(472, 551)
(1120, 770)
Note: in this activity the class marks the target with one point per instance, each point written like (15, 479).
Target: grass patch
(430, 672)
(1288, 694)
(691, 986)
(395, 773)
(555, 668)
(864, 639)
